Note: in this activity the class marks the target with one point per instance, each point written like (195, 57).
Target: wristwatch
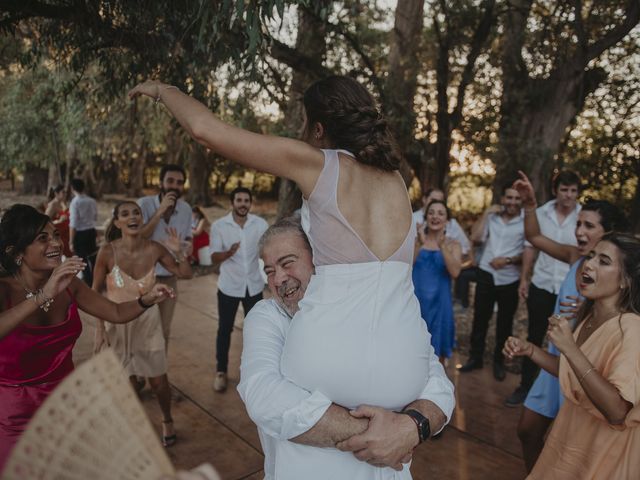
(422, 422)
(509, 260)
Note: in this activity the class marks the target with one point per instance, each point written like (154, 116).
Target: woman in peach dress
(126, 265)
(596, 434)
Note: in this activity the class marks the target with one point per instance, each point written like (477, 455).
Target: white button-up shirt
(180, 220)
(281, 409)
(453, 230)
(502, 239)
(83, 213)
(548, 273)
(241, 271)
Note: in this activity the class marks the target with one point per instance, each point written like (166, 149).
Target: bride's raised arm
(284, 157)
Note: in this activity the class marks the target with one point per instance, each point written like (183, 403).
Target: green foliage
(82, 56)
(604, 144)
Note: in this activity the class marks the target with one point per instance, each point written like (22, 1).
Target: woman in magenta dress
(39, 320)
(58, 212)
(199, 232)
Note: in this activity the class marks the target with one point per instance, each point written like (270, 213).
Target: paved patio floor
(480, 443)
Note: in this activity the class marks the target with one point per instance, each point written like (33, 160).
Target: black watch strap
(422, 423)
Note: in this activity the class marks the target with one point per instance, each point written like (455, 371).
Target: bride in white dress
(358, 337)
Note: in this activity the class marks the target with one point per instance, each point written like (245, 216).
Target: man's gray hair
(284, 225)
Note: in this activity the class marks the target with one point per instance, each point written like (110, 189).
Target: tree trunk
(635, 205)
(311, 42)
(434, 162)
(35, 180)
(535, 112)
(200, 167)
(53, 178)
(401, 84)
(108, 180)
(136, 174)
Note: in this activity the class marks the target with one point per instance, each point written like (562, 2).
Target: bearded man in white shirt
(557, 219)
(160, 213)
(501, 231)
(234, 244)
(353, 444)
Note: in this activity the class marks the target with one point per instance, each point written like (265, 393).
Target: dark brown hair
(351, 120)
(629, 248)
(19, 227)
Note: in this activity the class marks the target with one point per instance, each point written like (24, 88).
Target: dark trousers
(540, 305)
(85, 247)
(227, 308)
(487, 294)
(466, 276)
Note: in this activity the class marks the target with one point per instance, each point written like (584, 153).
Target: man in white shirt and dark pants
(501, 230)
(83, 215)
(557, 219)
(161, 212)
(234, 244)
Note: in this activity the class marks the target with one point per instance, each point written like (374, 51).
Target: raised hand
(560, 333)
(421, 235)
(168, 203)
(495, 208)
(172, 241)
(525, 189)
(159, 293)
(570, 306)
(150, 88)
(515, 347)
(62, 276)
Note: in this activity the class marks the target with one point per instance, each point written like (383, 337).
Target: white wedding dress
(358, 337)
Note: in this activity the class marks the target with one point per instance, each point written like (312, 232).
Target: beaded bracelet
(41, 299)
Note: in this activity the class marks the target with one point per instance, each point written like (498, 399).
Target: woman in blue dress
(438, 259)
(596, 218)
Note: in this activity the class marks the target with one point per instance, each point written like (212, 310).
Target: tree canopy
(474, 89)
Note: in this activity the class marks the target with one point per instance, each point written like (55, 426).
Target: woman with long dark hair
(596, 218)
(359, 337)
(596, 432)
(39, 320)
(126, 265)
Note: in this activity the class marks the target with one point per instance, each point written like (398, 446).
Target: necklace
(589, 324)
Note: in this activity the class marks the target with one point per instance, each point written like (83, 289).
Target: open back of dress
(358, 337)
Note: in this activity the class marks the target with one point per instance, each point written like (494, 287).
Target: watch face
(425, 430)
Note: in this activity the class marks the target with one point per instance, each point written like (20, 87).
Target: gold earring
(18, 261)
